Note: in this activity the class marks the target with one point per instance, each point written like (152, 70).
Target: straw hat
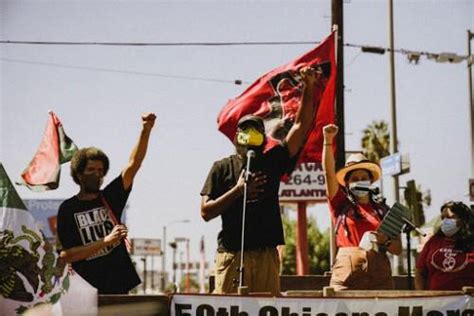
(358, 161)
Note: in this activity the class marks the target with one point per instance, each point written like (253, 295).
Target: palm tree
(376, 141)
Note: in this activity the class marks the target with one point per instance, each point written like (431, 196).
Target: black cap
(252, 120)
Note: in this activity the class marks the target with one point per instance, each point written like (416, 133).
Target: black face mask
(91, 183)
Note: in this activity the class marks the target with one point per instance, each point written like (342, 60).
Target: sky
(99, 92)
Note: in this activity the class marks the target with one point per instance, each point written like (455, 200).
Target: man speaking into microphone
(223, 192)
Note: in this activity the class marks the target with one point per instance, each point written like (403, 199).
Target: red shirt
(356, 227)
(445, 267)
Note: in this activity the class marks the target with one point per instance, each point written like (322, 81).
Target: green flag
(30, 273)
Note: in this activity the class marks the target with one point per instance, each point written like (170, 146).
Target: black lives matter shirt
(263, 225)
(111, 270)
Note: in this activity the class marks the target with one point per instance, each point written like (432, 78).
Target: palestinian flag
(30, 272)
(55, 149)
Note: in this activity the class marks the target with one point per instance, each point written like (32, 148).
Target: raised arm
(329, 164)
(298, 133)
(139, 151)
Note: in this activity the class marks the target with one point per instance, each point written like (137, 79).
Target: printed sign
(204, 305)
(44, 212)
(391, 165)
(306, 183)
(146, 247)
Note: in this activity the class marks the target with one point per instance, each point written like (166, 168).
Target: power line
(155, 43)
(412, 55)
(193, 78)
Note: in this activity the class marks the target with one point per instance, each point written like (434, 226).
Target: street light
(187, 281)
(163, 256)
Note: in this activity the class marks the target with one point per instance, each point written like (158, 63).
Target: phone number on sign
(299, 179)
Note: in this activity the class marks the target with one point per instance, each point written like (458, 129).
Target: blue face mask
(449, 227)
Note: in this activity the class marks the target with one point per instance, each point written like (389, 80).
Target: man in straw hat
(357, 215)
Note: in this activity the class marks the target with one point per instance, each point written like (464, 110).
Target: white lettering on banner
(306, 183)
(215, 305)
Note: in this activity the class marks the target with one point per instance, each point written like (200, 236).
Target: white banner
(306, 183)
(219, 305)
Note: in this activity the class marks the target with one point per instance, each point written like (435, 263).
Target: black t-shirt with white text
(80, 222)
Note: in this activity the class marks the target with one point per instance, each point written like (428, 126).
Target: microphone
(364, 187)
(250, 155)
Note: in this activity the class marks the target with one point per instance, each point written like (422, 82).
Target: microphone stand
(408, 228)
(242, 289)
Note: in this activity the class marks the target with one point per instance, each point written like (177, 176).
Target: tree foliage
(376, 141)
(318, 248)
(376, 145)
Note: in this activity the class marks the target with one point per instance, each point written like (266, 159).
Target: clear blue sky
(102, 108)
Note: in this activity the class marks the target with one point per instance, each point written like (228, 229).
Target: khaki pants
(261, 271)
(357, 269)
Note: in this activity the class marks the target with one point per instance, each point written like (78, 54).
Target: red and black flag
(276, 97)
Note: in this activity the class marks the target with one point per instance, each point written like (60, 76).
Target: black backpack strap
(380, 207)
(341, 218)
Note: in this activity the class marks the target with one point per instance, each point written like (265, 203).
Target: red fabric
(44, 167)
(56, 148)
(276, 96)
(356, 227)
(115, 221)
(445, 268)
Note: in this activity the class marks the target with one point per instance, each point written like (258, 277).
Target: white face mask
(358, 192)
(449, 227)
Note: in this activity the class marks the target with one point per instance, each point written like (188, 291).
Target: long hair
(464, 239)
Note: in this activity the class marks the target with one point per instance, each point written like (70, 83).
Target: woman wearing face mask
(356, 212)
(447, 259)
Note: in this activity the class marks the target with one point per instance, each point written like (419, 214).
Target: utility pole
(397, 263)
(470, 36)
(163, 261)
(393, 107)
(187, 280)
(163, 253)
(337, 23)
